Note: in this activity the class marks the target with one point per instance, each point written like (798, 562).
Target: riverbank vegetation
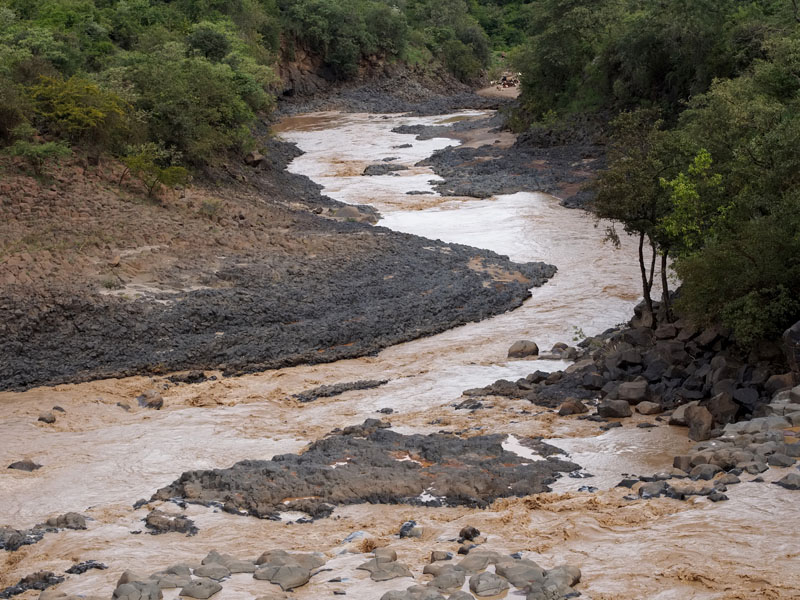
(184, 81)
(704, 98)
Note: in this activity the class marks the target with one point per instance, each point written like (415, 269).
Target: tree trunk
(646, 285)
(665, 285)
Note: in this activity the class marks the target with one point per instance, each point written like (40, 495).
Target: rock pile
(677, 366)
(281, 568)
(509, 571)
(370, 463)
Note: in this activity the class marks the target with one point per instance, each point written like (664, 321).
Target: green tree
(152, 164)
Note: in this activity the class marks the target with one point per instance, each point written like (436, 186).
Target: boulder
(477, 561)
(700, 422)
(614, 409)
(704, 472)
(794, 395)
(487, 584)
(201, 589)
(780, 460)
(634, 392)
(384, 571)
(138, 590)
(288, 577)
(254, 159)
(791, 346)
(440, 555)
(383, 555)
(572, 406)
(776, 383)
(213, 571)
(25, 465)
(450, 578)
(522, 349)
(520, 572)
(593, 381)
(47, 417)
(722, 408)
(747, 397)
(678, 416)
(648, 408)
(790, 482)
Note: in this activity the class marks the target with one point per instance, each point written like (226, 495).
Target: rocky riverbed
(376, 477)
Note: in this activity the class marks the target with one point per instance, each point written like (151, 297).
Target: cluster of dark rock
(12, 539)
(662, 369)
(370, 463)
(159, 522)
(327, 391)
(531, 164)
(35, 581)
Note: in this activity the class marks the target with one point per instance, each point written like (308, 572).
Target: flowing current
(99, 459)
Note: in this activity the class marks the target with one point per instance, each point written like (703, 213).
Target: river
(98, 459)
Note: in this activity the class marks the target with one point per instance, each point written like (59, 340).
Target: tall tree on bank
(631, 193)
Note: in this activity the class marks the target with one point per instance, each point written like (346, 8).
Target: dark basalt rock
(159, 522)
(36, 581)
(81, 568)
(327, 391)
(470, 472)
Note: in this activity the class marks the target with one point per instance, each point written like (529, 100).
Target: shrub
(35, 153)
(152, 165)
(80, 111)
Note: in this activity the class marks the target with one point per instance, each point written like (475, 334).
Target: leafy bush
(154, 166)
(35, 153)
(80, 111)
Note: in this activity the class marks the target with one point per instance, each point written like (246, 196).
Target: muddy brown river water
(99, 458)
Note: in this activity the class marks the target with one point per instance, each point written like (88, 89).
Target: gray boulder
(700, 422)
(634, 392)
(648, 408)
(137, 590)
(614, 409)
(384, 571)
(572, 406)
(288, 577)
(523, 349)
(201, 589)
(790, 482)
(213, 571)
(487, 584)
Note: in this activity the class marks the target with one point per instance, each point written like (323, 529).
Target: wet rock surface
(159, 522)
(559, 164)
(13, 539)
(328, 391)
(36, 581)
(374, 464)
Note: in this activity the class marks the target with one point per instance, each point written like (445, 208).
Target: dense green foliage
(703, 161)
(191, 75)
